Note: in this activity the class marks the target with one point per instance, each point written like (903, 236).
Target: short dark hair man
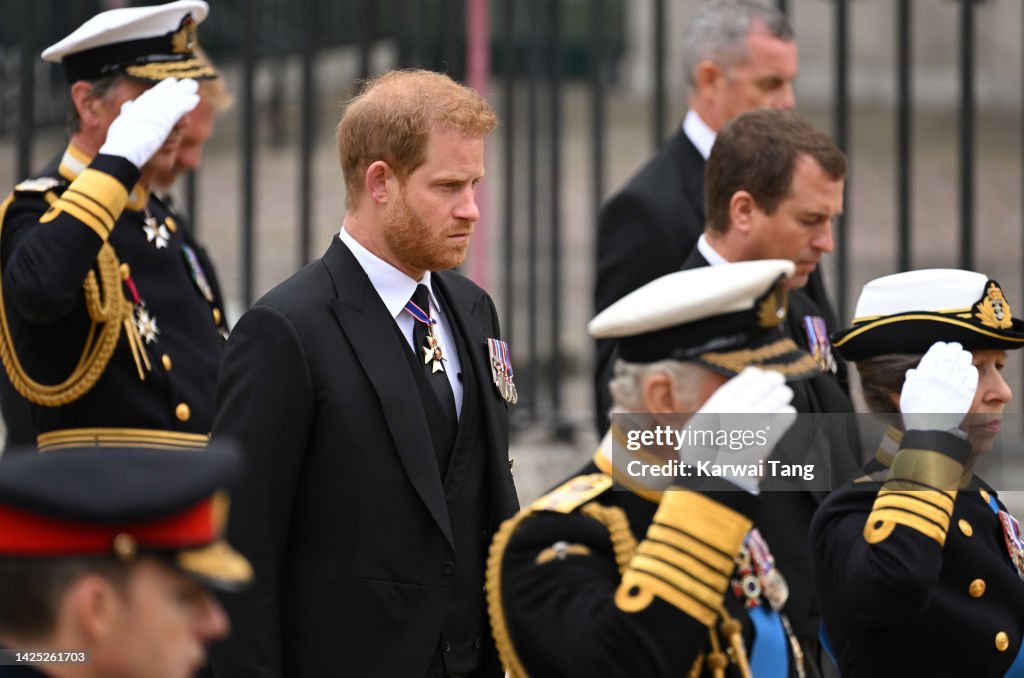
(738, 55)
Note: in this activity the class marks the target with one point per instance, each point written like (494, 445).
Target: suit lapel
(471, 317)
(366, 323)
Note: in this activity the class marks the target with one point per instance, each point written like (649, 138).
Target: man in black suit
(370, 391)
(774, 185)
(739, 55)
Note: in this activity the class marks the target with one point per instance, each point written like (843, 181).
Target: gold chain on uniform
(106, 305)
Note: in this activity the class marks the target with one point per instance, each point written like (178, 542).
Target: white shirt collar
(702, 136)
(709, 252)
(394, 287)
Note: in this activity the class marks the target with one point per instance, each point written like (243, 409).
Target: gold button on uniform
(977, 588)
(166, 360)
(182, 412)
(172, 226)
(965, 527)
(984, 496)
(126, 271)
(216, 316)
(1002, 641)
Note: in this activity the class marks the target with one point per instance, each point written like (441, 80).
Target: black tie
(438, 379)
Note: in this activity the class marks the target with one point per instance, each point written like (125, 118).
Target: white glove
(145, 123)
(938, 393)
(756, 404)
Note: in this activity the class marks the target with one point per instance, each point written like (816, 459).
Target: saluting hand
(938, 393)
(145, 123)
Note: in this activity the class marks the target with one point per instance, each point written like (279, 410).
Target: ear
(92, 603)
(378, 181)
(895, 397)
(658, 393)
(85, 103)
(741, 211)
(707, 75)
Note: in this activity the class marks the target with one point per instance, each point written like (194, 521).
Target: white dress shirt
(702, 136)
(395, 289)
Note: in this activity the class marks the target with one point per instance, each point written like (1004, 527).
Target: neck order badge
(433, 349)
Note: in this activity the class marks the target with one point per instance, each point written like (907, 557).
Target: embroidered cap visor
(123, 503)
(724, 317)
(145, 43)
(908, 312)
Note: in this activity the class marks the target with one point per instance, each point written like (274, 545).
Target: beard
(420, 246)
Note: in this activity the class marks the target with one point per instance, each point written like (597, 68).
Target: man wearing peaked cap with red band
(107, 556)
(108, 331)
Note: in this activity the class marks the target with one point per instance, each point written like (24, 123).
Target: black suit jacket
(342, 509)
(647, 230)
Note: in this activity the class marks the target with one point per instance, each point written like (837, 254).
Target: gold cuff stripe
(927, 467)
(684, 542)
(685, 563)
(920, 506)
(911, 520)
(86, 218)
(100, 215)
(944, 501)
(705, 519)
(103, 188)
(103, 209)
(122, 437)
(678, 594)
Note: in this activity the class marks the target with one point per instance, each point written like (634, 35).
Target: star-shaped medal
(156, 232)
(146, 324)
(433, 351)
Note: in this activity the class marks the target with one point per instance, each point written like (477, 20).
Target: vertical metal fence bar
(555, 60)
(418, 28)
(966, 146)
(450, 38)
(841, 133)
(365, 22)
(533, 128)
(658, 28)
(597, 102)
(477, 59)
(248, 141)
(904, 110)
(508, 146)
(308, 16)
(26, 90)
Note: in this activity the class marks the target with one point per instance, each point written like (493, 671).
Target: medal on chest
(756, 574)
(156, 232)
(818, 344)
(501, 370)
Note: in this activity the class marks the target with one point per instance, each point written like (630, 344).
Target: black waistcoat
(465, 488)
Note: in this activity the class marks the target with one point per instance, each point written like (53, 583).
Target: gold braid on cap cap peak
(993, 310)
(736, 361)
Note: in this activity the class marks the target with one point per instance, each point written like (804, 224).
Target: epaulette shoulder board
(570, 495)
(41, 185)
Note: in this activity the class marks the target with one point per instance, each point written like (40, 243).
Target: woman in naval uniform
(917, 564)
